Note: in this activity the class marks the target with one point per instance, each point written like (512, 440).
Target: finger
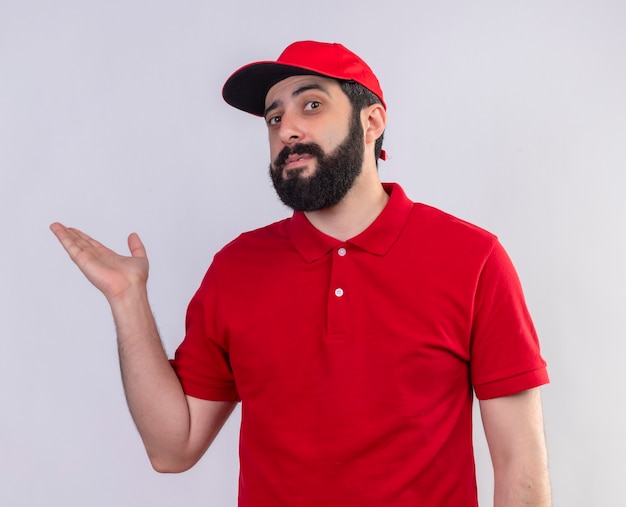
(57, 229)
(66, 236)
(83, 238)
(80, 247)
(63, 232)
(136, 246)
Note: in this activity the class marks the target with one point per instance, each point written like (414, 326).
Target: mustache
(297, 149)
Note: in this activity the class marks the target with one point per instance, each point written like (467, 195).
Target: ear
(375, 120)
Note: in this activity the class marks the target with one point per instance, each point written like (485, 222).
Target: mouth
(296, 160)
(295, 165)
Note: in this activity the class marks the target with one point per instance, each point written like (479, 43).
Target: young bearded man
(354, 333)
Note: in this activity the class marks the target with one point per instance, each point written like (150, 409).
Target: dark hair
(360, 98)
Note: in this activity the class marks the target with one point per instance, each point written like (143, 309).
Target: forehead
(294, 85)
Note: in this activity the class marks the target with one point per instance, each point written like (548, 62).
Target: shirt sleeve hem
(512, 385)
(209, 394)
(204, 392)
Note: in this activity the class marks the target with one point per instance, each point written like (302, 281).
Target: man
(354, 333)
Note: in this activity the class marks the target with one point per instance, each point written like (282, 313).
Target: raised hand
(113, 274)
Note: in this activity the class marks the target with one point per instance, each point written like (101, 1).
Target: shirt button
(339, 292)
(342, 251)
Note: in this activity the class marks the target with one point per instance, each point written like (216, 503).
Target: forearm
(522, 484)
(514, 429)
(154, 394)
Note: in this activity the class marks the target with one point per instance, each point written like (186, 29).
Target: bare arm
(515, 435)
(175, 429)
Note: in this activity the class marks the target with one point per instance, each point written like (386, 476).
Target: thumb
(136, 246)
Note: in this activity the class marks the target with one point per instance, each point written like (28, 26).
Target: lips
(296, 159)
(292, 158)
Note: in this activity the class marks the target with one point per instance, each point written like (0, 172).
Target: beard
(334, 174)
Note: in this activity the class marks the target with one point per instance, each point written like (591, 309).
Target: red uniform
(356, 361)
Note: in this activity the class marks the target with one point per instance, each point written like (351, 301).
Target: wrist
(131, 299)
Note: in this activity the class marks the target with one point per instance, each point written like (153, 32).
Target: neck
(355, 212)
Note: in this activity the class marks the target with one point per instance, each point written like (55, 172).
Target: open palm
(111, 273)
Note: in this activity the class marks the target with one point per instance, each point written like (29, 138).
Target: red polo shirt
(355, 361)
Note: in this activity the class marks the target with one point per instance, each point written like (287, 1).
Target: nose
(289, 131)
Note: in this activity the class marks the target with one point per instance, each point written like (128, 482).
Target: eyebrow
(298, 91)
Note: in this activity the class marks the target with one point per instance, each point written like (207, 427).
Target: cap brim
(247, 87)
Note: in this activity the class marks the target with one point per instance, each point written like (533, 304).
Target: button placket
(341, 252)
(337, 302)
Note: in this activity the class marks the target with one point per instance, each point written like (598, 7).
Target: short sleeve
(202, 359)
(505, 351)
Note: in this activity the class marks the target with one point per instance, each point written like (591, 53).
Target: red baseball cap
(247, 87)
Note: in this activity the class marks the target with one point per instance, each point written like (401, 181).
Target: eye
(313, 104)
(273, 120)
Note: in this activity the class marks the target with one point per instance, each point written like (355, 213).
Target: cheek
(332, 140)
(275, 146)
(334, 135)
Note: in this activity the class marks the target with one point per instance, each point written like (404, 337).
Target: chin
(303, 172)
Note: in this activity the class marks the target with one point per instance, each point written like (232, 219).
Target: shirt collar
(377, 238)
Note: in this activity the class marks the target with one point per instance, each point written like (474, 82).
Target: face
(316, 142)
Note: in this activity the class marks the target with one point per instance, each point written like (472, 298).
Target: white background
(509, 114)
